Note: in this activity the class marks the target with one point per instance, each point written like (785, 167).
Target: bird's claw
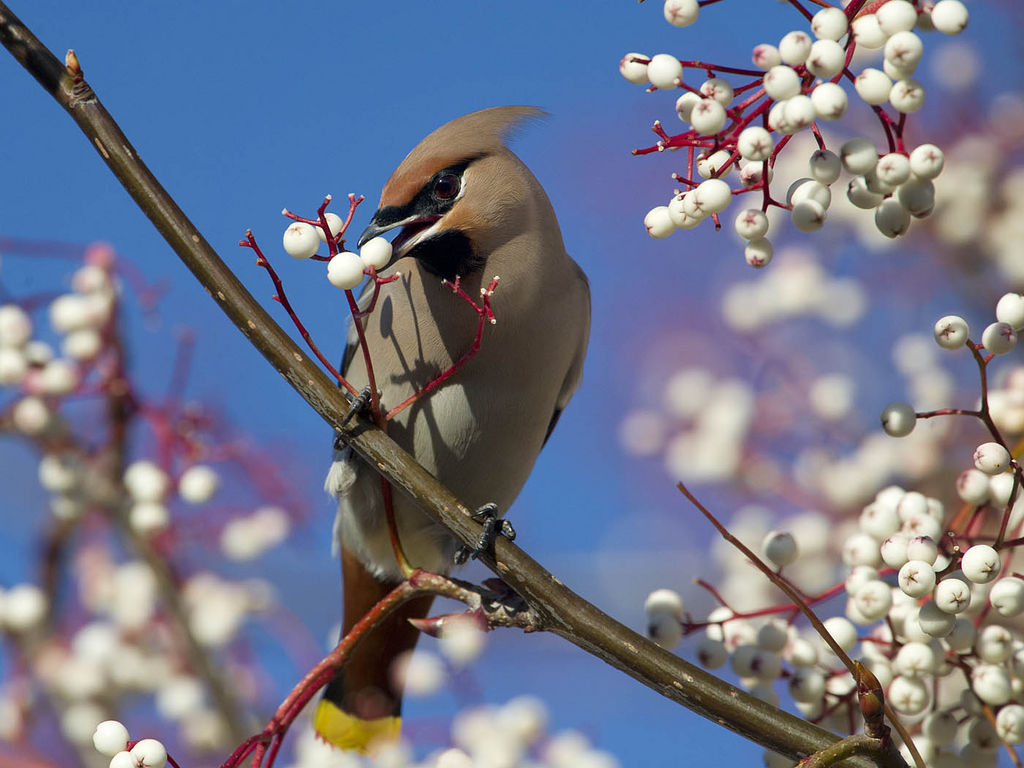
(356, 405)
(493, 527)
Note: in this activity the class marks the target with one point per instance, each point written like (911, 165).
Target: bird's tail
(363, 703)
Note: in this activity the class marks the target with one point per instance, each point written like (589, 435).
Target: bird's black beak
(391, 217)
(375, 228)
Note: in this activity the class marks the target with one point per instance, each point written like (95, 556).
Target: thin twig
(484, 315)
(790, 592)
(282, 298)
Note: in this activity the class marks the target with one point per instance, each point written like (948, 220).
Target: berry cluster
(345, 269)
(102, 624)
(739, 130)
(111, 739)
(931, 594)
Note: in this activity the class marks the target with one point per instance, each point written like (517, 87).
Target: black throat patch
(448, 254)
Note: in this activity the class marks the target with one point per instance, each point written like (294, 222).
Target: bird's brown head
(458, 193)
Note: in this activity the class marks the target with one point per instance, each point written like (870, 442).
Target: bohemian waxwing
(466, 206)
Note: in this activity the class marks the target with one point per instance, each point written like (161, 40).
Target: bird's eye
(447, 186)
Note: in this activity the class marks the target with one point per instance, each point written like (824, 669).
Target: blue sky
(241, 109)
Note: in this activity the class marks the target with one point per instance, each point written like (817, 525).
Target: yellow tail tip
(352, 733)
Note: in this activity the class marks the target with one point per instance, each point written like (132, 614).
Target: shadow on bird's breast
(386, 316)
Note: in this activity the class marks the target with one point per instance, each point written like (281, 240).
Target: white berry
(950, 17)
(893, 168)
(664, 601)
(708, 117)
(825, 166)
(829, 24)
(681, 13)
(922, 548)
(891, 218)
(917, 196)
(345, 270)
(858, 155)
(712, 196)
(794, 47)
(980, 564)
(991, 683)
(664, 71)
(759, 252)
(780, 548)
(808, 215)
(952, 596)
(781, 82)
(334, 223)
(798, 112)
(1010, 723)
(376, 253)
(873, 600)
(634, 71)
(31, 416)
(677, 211)
(301, 240)
(148, 518)
(926, 161)
(15, 326)
(146, 481)
(718, 89)
(994, 644)
(857, 192)
(972, 486)
(896, 16)
(808, 189)
(829, 100)
(13, 366)
(907, 95)
(765, 56)
(904, 49)
(198, 483)
(873, 85)
(907, 695)
(755, 143)
(916, 578)
(709, 165)
(826, 59)
(751, 224)
(935, 622)
(1010, 310)
(711, 653)
(894, 550)
(658, 222)
(999, 338)
(898, 419)
(149, 753)
(842, 631)
(664, 630)
(867, 32)
(915, 660)
(1007, 596)
(110, 737)
(23, 607)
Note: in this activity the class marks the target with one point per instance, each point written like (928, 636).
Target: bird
(465, 208)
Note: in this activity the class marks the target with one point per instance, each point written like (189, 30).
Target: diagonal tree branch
(560, 610)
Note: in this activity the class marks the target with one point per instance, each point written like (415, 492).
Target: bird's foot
(494, 527)
(356, 405)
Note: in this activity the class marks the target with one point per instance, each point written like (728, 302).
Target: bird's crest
(464, 138)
